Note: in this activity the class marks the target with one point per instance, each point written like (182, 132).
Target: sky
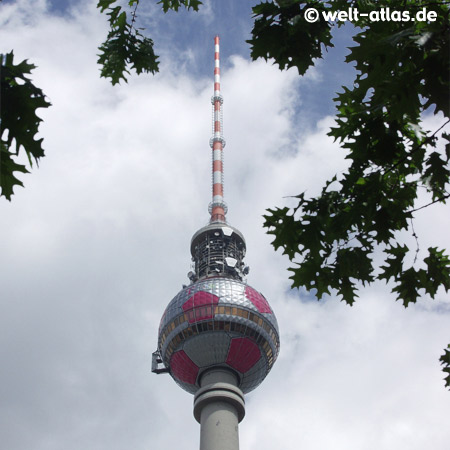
(97, 244)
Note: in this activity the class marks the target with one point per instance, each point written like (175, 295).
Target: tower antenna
(217, 207)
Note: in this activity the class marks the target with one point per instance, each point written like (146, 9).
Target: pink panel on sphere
(243, 354)
(183, 367)
(258, 300)
(201, 306)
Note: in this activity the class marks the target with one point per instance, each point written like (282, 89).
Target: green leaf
(310, 278)
(105, 4)
(446, 136)
(438, 271)
(394, 265)
(285, 234)
(409, 282)
(354, 262)
(348, 291)
(7, 169)
(445, 361)
(436, 175)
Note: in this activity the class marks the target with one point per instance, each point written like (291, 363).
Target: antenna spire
(217, 207)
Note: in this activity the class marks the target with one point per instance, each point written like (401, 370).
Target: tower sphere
(218, 322)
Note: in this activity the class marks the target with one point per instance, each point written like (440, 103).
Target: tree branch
(440, 199)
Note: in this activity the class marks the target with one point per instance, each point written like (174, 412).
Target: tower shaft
(219, 407)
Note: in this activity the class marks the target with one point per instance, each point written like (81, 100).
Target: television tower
(218, 338)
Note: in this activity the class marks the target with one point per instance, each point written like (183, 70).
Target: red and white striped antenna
(217, 207)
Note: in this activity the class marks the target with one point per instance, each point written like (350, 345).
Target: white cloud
(97, 244)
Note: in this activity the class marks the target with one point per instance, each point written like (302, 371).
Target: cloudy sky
(97, 244)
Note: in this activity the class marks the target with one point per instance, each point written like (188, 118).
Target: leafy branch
(280, 32)
(19, 123)
(402, 72)
(126, 48)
